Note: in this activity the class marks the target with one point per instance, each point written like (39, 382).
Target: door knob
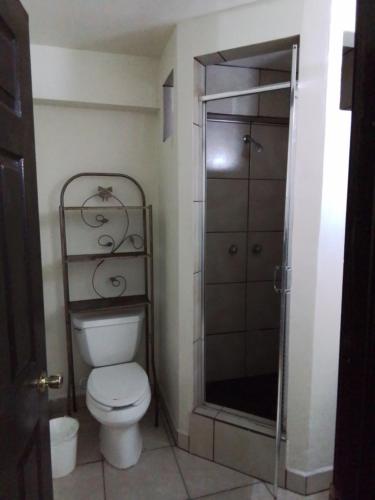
(48, 381)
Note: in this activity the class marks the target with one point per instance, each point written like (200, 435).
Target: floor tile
(88, 446)
(88, 437)
(201, 436)
(289, 495)
(255, 492)
(153, 437)
(85, 482)
(324, 495)
(241, 449)
(156, 477)
(203, 477)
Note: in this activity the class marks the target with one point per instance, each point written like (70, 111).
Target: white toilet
(118, 391)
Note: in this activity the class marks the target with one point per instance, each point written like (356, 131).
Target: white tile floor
(163, 472)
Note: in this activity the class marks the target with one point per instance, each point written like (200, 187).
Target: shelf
(110, 303)
(98, 256)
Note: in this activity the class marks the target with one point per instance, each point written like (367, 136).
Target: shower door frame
(285, 268)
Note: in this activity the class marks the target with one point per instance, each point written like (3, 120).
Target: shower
(246, 146)
(247, 139)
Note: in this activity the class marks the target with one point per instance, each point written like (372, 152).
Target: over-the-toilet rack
(100, 206)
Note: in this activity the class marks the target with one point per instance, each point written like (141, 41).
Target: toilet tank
(108, 338)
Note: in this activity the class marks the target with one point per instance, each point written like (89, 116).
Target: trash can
(64, 436)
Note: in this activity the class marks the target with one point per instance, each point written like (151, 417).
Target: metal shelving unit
(144, 254)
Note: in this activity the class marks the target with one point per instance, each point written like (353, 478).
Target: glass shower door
(246, 170)
(246, 157)
(249, 160)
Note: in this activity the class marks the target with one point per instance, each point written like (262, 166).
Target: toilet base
(121, 446)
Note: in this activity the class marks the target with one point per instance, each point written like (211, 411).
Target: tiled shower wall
(244, 223)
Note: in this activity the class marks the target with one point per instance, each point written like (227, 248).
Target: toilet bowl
(118, 391)
(118, 396)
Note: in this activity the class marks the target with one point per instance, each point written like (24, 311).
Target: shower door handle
(276, 271)
(284, 279)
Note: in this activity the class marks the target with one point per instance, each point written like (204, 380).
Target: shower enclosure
(248, 137)
(246, 170)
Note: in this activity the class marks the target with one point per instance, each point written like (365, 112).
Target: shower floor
(255, 395)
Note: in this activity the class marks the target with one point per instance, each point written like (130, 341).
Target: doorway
(248, 160)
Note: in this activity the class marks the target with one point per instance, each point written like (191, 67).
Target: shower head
(247, 139)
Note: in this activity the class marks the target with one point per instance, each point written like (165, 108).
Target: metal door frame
(286, 264)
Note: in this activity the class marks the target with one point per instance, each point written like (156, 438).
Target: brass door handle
(48, 381)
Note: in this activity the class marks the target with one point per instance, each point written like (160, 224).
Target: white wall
(93, 78)
(253, 24)
(318, 232)
(71, 140)
(168, 248)
(75, 139)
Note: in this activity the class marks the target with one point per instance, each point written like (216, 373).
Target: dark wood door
(354, 471)
(25, 467)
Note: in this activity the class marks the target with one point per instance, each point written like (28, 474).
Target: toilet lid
(118, 385)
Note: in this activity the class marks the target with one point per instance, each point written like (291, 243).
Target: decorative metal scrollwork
(106, 240)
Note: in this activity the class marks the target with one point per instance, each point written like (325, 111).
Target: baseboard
(180, 439)
(308, 483)
(168, 418)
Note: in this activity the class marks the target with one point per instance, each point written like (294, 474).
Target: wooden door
(25, 468)
(354, 470)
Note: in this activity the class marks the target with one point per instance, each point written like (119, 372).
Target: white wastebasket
(64, 436)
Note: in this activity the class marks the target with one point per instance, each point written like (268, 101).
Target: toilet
(118, 390)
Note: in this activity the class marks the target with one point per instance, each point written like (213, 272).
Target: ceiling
(140, 27)
(280, 60)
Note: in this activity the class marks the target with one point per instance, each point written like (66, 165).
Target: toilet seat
(118, 386)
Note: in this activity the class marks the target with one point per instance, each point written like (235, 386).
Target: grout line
(237, 282)
(222, 178)
(246, 429)
(254, 480)
(269, 488)
(247, 330)
(103, 475)
(229, 490)
(90, 462)
(168, 429)
(221, 55)
(157, 449)
(213, 437)
(180, 471)
(259, 96)
(245, 232)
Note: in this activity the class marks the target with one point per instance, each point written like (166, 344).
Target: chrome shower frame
(286, 265)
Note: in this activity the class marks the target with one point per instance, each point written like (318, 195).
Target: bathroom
(230, 135)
